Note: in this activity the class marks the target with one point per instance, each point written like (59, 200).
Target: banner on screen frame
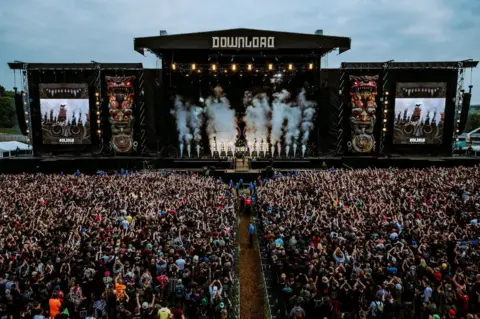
(65, 111)
(419, 113)
(121, 94)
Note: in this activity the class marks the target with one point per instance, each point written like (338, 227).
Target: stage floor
(91, 164)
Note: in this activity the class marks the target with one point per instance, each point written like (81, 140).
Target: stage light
(256, 70)
(385, 120)
(459, 112)
(24, 94)
(26, 121)
(97, 94)
(98, 102)
(270, 66)
(458, 121)
(98, 121)
(385, 111)
(194, 66)
(384, 129)
(26, 113)
(386, 102)
(28, 131)
(457, 139)
(249, 67)
(290, 67)
(225, 70)
(98, 112)
(234, 67)
(214, 67)
(99, 131)
(25, 102)
(310, 66)
(199, 71)
(128, 83)
(458, 131)
(174, 67)
(387, 93)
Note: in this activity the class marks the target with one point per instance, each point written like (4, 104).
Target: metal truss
(97, 84)
(458, 102)
(140, 103)
(26, 101)
(339, 118)
(383, 116)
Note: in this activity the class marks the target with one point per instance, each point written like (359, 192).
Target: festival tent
(8, 149)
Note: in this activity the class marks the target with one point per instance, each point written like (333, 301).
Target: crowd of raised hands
(150, 245)
(379, 243)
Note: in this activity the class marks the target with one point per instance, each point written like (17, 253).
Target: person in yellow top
(164, 312)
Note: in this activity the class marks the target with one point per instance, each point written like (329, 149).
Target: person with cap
(251, 233)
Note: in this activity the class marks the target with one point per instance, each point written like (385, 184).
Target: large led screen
(419, 113)
(65, 113)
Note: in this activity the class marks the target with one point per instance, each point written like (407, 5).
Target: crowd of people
(374, 243)
(151, 245)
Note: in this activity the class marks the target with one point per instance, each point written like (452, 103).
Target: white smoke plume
(189, 121)
(279, 115)
(256, 119)
(221, 122)
(308, 114)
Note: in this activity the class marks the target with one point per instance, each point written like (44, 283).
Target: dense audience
(375, 243)
(153, 245)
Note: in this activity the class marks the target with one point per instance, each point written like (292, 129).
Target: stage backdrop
(121, 94)
(419, 113)
(65, 113)
(262, 112)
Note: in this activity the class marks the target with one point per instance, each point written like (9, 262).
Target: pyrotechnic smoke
(221, 122)
(189, 121)
(257, 118)
(308, 114)
(279, 115)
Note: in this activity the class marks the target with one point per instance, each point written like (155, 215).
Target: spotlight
(24, 94)
(234, 67)
(97, 94)
(249, 67)
(214, 67)
(174, 67)
(28, 131)
(458, 131)
(310, 66)
(98, 112)
(98, 102)
(199, 71)
(458, 121)
(26, 113)
(98, 121)
(457, 139)
(26, 121)
(290, 67)
(99, 131)
(225, 70)
(386, 102)
(385, 111)
(385, 120)
(270, 67)
(194, 66)
(384, 129)
(387, 93)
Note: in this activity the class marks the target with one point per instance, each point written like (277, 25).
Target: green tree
(473, 121)
(8, 117)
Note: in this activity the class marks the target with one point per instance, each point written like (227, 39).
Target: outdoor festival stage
(91, 164)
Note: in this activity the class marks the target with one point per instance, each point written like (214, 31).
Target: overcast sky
(103, 31)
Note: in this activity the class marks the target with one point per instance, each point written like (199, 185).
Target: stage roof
(411, 65)
(18, 65)
(322, 44)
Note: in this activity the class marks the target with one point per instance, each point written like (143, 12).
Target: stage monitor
(419, 113)
(65, 111)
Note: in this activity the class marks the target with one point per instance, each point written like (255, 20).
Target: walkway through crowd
(251, 294)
